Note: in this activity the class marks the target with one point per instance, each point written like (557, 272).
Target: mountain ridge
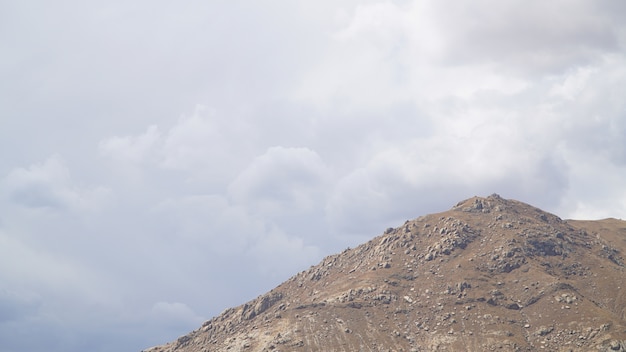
(490, 273)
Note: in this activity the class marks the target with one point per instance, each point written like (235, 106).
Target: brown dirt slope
(489, 274)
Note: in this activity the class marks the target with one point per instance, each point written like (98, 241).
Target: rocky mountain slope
(489, 274)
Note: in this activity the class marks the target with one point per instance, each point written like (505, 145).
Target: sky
(162, 161)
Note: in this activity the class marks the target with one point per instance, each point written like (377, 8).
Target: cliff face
(488, 274)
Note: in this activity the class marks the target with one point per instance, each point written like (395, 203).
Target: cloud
(131, 148)
(210, 147)
(48, 185)
(382, 24)
(595, 194)
(235, 235)
(286, 249)
(475, 151)
(526, 38)
(175, 314)
(17, 304)
(365, 62)
(42, 273)
(572, 85)
(192, 141)
(282, 181)
(210, 221)
(388, 52)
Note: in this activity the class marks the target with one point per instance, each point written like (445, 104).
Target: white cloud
(381, 23)
(210, 221)
(365, 63)
(190, 144)
(175, 313)
(234, 235)
(208, 146)
(528, 38)
(572, 85)
(192, 141)
(36, 269)
(435, 49)
(282, 181)
(48, 185)
(286, 251)
(472, 151)
(131, 148)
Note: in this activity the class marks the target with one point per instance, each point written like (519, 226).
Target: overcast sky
(165, 160)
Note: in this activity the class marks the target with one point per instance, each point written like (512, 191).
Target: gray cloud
(535, 37)
(49, 185)
(282, 181)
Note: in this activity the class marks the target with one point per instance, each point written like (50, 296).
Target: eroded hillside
(489, 274)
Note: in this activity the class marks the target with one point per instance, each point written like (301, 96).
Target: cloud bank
(166, 161)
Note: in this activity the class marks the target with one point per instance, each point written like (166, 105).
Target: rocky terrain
(489, 274)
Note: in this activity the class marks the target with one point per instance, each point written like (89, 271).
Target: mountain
(489, 274)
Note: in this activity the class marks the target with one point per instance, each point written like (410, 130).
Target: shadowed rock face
(488, 274)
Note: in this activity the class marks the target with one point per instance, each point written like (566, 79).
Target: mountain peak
(490, 273)
(480, 204)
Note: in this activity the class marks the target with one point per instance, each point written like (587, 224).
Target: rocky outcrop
(260, 305)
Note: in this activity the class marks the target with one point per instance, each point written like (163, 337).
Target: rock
(544, 330)
(262, 304)
(615, 345)
(513, 306)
